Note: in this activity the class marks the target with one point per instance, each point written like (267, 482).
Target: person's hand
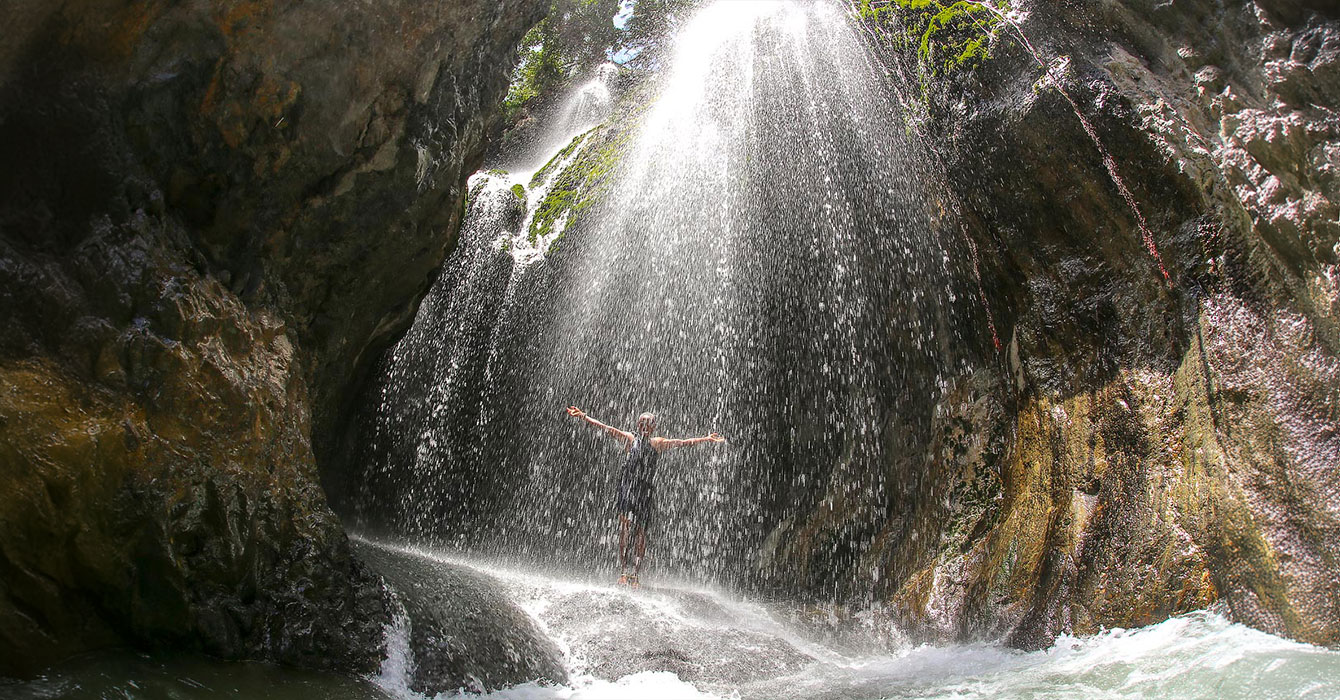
(715, 437)
(576, 412)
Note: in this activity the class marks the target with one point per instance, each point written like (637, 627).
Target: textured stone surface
(1135, 447)
(212, 218)
(460, 629)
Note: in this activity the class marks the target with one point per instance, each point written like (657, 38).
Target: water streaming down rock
(763, 262)
(531, 143)
(1177, 446)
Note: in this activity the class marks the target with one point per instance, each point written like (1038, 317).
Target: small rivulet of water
(762, 263)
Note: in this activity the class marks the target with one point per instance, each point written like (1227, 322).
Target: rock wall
(1131, 446)
(213, 217)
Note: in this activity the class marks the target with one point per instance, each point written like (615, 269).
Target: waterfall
(763, 262)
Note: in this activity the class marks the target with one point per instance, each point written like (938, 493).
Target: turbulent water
(679, 641)
(682, 641)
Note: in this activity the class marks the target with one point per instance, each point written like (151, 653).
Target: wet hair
(646, 418)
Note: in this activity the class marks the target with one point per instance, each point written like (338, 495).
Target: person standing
(636, 504)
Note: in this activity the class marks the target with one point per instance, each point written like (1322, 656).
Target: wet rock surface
(1118, 410)
(463, 632)
(1131, 446)
(613, 633)
(212, 218)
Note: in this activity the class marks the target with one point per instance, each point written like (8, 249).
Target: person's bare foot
(623, 581)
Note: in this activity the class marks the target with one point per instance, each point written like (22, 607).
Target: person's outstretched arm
(663, 444)
(613, 431)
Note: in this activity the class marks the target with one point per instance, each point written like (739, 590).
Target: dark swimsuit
(636, 495)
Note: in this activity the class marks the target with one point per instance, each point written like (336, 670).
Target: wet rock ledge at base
(213, 216)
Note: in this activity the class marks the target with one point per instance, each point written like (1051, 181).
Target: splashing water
(680, 641)
(618, 642)
(587, 106)
(397, 668)
(763, 264)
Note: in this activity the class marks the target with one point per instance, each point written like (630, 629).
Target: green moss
(583, 182)
(948, 35)
(542, 173)
(520, 191)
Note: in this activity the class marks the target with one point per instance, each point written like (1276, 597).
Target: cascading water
(578, 110)
(587, 106)
(763, 264)
(751, 247)
(750, 244)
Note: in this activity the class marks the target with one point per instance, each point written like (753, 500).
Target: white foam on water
(1199, 655)
(649, 685)
(397, 668)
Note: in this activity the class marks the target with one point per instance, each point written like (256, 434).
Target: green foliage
(585, 29)
(520, 191)
(652, 24)
(948, 35)
(542, 69)
(572, 38)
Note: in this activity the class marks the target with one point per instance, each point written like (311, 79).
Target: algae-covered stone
(947, 35)
(589, 165)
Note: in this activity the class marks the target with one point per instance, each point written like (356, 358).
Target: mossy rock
(948, 36)
(584, 181)
(562, 155)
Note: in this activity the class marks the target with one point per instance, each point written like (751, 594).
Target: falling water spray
(761, 262)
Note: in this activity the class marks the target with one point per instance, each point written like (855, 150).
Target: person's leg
(641, 550)
(624, 546)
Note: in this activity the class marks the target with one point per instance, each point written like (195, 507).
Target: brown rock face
(1136, 447)
(213, 216)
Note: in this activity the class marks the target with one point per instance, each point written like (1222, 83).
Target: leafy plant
(573, 37)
